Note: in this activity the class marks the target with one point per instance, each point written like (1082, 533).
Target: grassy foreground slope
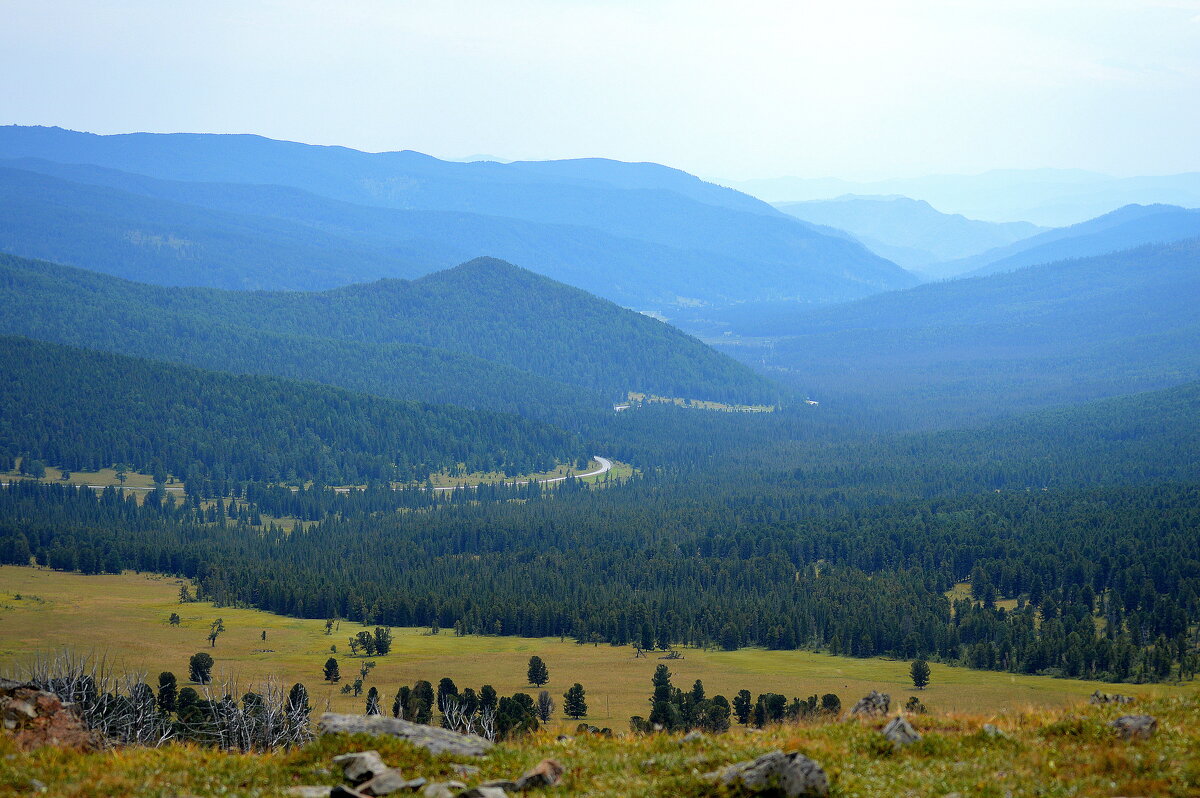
(1049, 753)
(125, 618)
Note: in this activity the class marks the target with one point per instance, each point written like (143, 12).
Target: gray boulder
(388, 782)
(1135, 727)
(443, 789)
(483, 792)
(1104, 698)
(361, 766)
(547, 773)
(873, 705)
(900, 732)
(431, 738)
(792, 775)
(994, 731)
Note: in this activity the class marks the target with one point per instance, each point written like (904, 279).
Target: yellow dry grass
(125, 618)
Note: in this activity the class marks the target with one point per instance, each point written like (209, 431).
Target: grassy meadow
(1046, 753)
(699, 404)
(124, 618)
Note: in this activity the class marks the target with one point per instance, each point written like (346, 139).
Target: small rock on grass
(361, 766)
(388, 782)
(900, 732)
(547, 773)
(432, 738)
(443, 789)
(308, 792)
(993, 731)
(873, 704)
(792, 775)
(1135, 727)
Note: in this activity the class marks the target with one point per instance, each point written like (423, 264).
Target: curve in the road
(605, 466)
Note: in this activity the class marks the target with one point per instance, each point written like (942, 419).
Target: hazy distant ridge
(644, 235)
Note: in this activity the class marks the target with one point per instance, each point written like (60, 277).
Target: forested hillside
(1125, 228)
(1062, 332)
(592, 223)
(841, 552)
(484, 335)
(83, 410)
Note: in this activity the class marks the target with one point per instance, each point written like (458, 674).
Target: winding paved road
(605, 466)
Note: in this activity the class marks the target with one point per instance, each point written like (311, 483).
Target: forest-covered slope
(730, 557)
(85, 410)
(1062, 332)
(1125, 228)
(483, 335)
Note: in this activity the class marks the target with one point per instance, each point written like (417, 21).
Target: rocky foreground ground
(1112, 746)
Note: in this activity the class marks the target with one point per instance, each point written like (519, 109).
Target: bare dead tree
(545, 706)
(486, 723)
(121, 707)
(455, 716)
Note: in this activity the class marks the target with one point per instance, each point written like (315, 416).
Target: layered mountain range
(248, 212)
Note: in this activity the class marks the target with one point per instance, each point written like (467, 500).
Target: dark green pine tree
(332, 672)
(919, 671)
(743, 705)
(420, 702)
(167, 692)
(297, 701)
(400, 705)
(487, 697)
(445, 689)
(538, 673)
(200, 668)
(574, 705)
(373, 702)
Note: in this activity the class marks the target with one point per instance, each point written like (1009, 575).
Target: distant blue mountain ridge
(220, 210)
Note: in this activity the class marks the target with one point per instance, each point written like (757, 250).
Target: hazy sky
(737, 89)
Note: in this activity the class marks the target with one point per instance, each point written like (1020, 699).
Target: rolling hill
(909, 232)
(1124, 228)
(641, 234)
(486, 334)
(1062, 332)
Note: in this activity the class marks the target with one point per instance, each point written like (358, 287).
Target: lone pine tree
(574, 705)
(539, 674)
(919, 671)
(200, 668)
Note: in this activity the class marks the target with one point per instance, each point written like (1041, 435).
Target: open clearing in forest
(699, 404)
(125, 618)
